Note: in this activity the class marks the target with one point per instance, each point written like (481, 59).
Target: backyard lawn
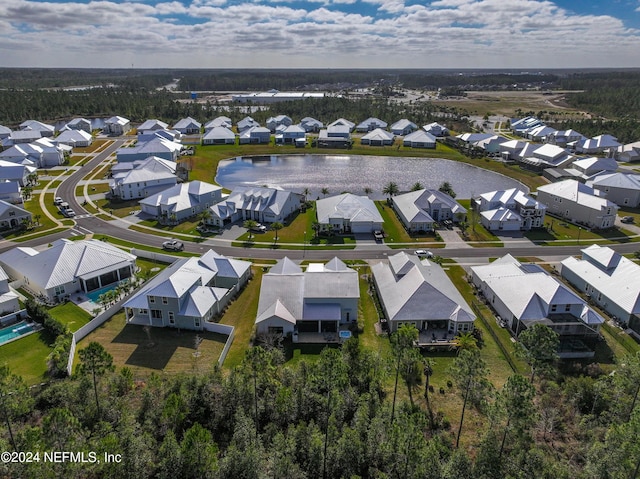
(27, 357)
(70, 314)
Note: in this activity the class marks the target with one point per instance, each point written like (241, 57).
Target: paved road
(92, 224)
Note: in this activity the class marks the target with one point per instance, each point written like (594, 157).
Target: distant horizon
(325, 34)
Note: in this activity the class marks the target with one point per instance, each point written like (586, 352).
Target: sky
(502, 34)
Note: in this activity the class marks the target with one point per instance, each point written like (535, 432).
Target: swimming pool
(94, 296)
(15, 331)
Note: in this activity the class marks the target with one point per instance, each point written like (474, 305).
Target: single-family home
(539, 157)
(337, 131)
(16, 172)
(181, 201)
(223, 121)
(510, 150)
(189, 293)
(274, 122)
(491, 145)
(166, 149)
(578, 203)
(469, 139)
(419, 139)
(68, 267)
(21, 137)
(540, 132)
(348, 213)
(152, 125)
(219, 135)
(621, 188)
(34, 125)
(626, 153)
(597, 144)
(520, 125)
(308, 304)
(525, 294)
(246, 123)
(378, 137)
(564, 137)
(420, 293)
(12, 216)
(334, 137)
(371, 124)
(9, 300)
(11, 192)
(610, 280)
(264, 205)
(41, 153)
(342, 122)
(79, 124)
(586, 168)
(148, 177)
(73, 138)
(436, 129)
(419, 210)
(403, 127)
(188, 126)
(311, 124)
(116, 126)
(289, 134)
(255, 134)
(510, 210)
(4, 132)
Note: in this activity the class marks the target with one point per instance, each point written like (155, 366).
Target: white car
(259, 228)
(423, 253)
(57, 201)
(173, 245)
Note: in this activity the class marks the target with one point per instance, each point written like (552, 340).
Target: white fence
(163, 258)
(228, 331)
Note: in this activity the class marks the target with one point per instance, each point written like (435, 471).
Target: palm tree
(367, 190)
(446, 187)
(427, 370)
(325, 191)
(26, 192)
(306, 193)
(315, 226)
(417, 186)
(205, 216)
(391, 189)
(277, 226)
(250, 224)
(465, 341)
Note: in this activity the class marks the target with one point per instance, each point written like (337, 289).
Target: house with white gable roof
(79, 124)
(68, 267)
(309, 305)
(34, 125)
(116, 126)
(162, 148)
(341, 122)
(12, 216)
(610, 280)
(371, 124)
(152, 125)
(564, 137)
(520, 125)
(21, 137)
(274, 122)
(15, 172)
(578, 203)
(148, 177)
(419, 210)
(621, 188)
(540, 132)
(223, 121)
(219, 135)
(311, 124)
(74, 138)
(510, 210)
(255, 135)
(525, 294)
(586, 168)
(420, 293)
(597, 144)
(11, 192)
(188, 126)
(378, 137)
(539, 157)
(419, 139)
(626, 153)
(4, 132)
(348, 213)
(403, 127)
(246, 123)
(436, 129)
(264, 205)
(289, 134)
(491, 145)
(189, 293)
(181, 201)
(510, 150)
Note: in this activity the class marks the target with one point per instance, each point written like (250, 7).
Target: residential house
(510, 150)
(246, 123)
(74, 138)
(45, 130)
(586, 168)
(68, 267)
(4, 132)
(578, 203)
(540, 132)
(79, 124)
(420, 293)
(148, 177)
(168, 150)
(12, 216)
(491, 145)
(342, 122)
(348, 213)
(539, 157)
(21, 137)
(337, 131)
(9, 300)
(436, 129)
(152, 125)
(255, 134)
(116, 126)
(419, 210)
(525, 294)
(335, 137)
(274, 122)
(306, 305)
(189, 293)
(42, 153)
(510, 210)
(264, 205)
(520, 125)
(469, 139)
(419, 139)
(16, 172)
(371, 124)
(311, 124)
(378, 137)
(188, 126)
(563, 137)
(403, 127)
(608, 279)
(219, 121)
(11, 192)
(219, 135)
(169, 135)
(625, 153)
(621, 188)
(181, 201)
(289, 134)
(597, 144)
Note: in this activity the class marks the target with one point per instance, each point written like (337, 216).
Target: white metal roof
(347, 206)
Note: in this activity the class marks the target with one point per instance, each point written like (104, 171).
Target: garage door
(363, 227)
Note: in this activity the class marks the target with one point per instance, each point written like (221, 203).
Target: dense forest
(330, 418)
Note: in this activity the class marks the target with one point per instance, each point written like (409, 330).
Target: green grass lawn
(185, 227)
(95, 145)
(27, 357)
(368, 316)
(558, 229)
(164, 350)
(93, 189)
(395, 231)
(118, 208)
(73, 316)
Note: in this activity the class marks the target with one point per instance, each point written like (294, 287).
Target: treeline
(330, 418)
(613, 95)
(626, 130)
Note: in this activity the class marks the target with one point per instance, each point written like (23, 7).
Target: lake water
(352, 173)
